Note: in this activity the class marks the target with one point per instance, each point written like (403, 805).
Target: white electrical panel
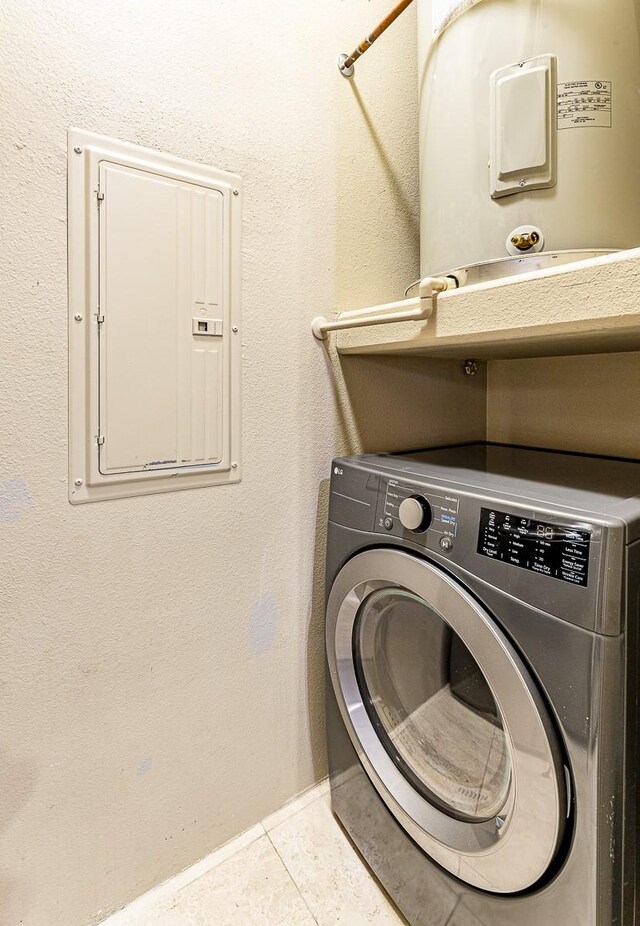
(523, 126)
(154, 277)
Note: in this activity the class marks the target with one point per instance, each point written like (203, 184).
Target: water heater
(529, 133)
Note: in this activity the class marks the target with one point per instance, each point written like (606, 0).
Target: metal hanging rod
(346, 62)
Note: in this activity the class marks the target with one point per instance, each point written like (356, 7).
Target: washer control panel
(409, 510)
(561, 552)
(563, 559)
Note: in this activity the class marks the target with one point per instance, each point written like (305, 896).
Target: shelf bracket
(408, 310)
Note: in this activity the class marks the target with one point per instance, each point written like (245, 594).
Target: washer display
(561, 552)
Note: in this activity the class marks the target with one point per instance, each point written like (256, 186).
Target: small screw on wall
(234, 466)
(78, 149)
(78, 317)
(234, 328)
(78, 482)
(236, 192)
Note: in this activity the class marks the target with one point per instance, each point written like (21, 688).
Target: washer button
(388, 523)
(447, 544)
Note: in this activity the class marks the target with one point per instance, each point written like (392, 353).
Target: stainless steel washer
(482, 700)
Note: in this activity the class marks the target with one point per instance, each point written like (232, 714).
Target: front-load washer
(482, 706)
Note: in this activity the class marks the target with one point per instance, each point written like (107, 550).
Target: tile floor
(296, 868)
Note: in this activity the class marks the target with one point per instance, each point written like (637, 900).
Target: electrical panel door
(156, 353)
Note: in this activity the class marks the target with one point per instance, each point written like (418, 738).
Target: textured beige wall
(161, 675)
(589, 404)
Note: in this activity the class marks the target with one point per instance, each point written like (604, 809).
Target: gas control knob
(415, 514)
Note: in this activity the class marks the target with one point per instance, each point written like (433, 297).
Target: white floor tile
(252, 888)
(303, 872)
(299, 803)
(337, 886)
(143, 910)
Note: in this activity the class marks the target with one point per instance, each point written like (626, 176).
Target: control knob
(415, 514)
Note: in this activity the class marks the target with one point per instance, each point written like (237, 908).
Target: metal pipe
(409, 310)
(346, 62)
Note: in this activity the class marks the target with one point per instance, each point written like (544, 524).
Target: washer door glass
(431, 705)
(447, 721)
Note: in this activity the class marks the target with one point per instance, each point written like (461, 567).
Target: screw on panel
(234, 329)
(523, 183)
(78, 482)
(236, 192)
(234, 466)
(78, 317)
(77, 149)
(470, 367)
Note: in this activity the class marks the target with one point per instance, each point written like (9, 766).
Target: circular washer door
(446, 720)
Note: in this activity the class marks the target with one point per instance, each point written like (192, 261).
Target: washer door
(446, 720)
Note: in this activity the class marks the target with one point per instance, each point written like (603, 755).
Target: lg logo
(338, 471)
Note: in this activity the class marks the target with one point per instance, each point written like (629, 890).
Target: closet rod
(346, 62)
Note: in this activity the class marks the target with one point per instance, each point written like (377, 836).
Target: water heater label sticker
(584, 103)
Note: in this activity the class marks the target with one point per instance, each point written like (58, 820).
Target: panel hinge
(99, 197)
(100, 319)
(99, 440)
